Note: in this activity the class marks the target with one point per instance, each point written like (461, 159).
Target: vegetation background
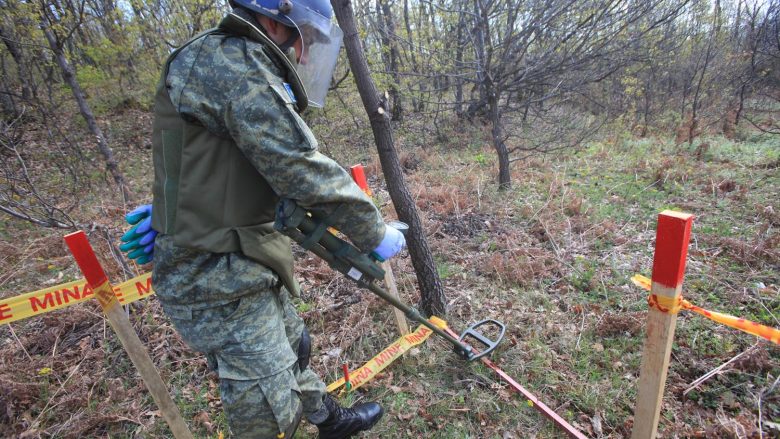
(539, 140)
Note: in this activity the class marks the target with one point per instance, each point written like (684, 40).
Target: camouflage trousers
(252, 343)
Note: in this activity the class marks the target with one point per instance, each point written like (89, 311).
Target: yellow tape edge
(392, 352)
(70, 293)
(744, 325)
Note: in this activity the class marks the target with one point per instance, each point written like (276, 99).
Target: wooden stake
(671, 250)
(104, 293)
(392, 288)
(400, 319)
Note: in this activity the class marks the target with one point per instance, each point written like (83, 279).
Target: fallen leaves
(203, 418)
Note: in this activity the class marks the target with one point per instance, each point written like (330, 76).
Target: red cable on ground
(538, 405)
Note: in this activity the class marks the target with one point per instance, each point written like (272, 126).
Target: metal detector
(312, 234)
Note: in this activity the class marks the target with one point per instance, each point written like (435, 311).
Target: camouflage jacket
(232, 86)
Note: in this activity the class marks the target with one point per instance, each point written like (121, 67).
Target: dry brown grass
(538, 257)
(612, 324)
(521, 267)
(71, 375)
(762, 250)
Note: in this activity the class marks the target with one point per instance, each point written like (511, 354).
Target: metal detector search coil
(489, 345)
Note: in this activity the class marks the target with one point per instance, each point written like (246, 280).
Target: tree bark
(390, 55)
(693, 128)
(497, 133)
(461, 41)
(21, 64)
(412, 49)
(480, 50)
(69, 76)
(432, 294)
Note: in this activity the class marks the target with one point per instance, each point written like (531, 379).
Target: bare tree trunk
(646, 115)
(479, 49)
(432, 294)
(459, 63)
(693, 129)
(69, 77)
(21, 64)
(390, 54)
(737, 24)
(412, 49)
(497, 133)
(8, 105)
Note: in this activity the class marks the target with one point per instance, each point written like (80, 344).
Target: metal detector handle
(490, 344)
(398, 225)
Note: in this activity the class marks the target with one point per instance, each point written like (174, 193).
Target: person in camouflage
(228, 142)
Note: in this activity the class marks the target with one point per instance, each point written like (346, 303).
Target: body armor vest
(207, 195)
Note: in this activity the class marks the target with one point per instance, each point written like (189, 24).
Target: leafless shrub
(549, 129)
(36, 180)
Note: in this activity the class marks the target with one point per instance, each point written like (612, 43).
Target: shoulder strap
(187, 43)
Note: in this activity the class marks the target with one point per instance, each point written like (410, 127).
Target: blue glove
(139, 240)
(393, 242)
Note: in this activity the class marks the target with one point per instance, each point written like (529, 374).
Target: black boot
(337, 422)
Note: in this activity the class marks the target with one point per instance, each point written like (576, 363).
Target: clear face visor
(320, 47)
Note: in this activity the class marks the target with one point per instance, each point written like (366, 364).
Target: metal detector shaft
(330, 241)
(463, 349)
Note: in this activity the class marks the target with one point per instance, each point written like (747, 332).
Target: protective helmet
(320, 36)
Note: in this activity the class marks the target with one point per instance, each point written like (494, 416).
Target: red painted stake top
(85, 258)
(359, 175)
(671, 247)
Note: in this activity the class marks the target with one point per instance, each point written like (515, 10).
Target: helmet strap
(249, 15)
(290, 40)
(292, 56)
